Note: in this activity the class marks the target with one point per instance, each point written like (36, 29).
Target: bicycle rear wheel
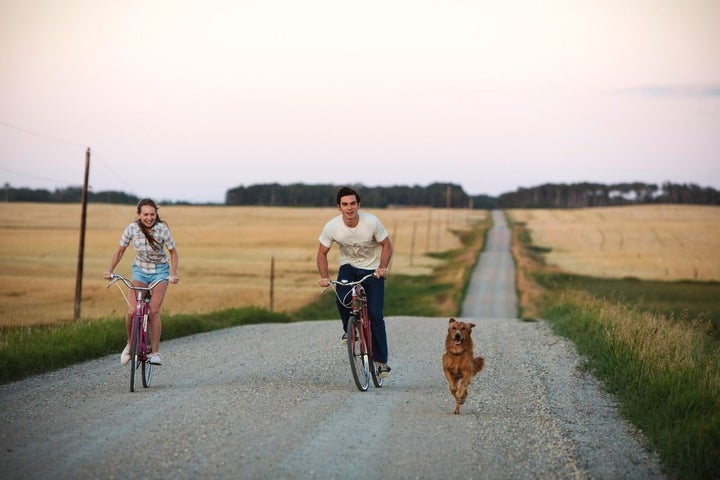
(134, 351)
(147, 367)
(376, 378)
(357, 352)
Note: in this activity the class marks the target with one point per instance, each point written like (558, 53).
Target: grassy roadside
(655, 346)
(30, 351)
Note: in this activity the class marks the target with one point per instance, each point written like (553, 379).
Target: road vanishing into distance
(277, 401)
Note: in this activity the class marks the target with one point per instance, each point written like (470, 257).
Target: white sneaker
(155, 359)
(125, 355)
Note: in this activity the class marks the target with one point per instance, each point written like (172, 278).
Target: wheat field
(226, 253)
(649, 242)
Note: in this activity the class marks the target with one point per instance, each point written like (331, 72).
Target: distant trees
(436, 195)
(579, 195)
(64, 195)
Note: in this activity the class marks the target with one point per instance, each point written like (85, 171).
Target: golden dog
(459, 364)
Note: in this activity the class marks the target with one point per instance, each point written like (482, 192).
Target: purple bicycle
(140, 349)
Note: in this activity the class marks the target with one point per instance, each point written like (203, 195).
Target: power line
(54, 181)
(56, 140)
(40, 135)
(113, 172)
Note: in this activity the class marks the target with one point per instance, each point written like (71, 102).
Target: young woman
(150, 236)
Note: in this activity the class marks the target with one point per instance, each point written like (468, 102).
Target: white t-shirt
(359, 246)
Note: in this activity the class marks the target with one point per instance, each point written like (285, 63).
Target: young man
(365, 247)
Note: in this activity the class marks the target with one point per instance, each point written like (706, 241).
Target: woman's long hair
(145, 230)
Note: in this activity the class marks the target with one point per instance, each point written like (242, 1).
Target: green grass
(654, 345)
(665, 375)
(29, 351)
(685, 301)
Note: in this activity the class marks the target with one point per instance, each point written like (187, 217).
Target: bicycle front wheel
(147, 368)
(357, 351)
(134, 351)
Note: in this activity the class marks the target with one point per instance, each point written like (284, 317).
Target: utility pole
(81, 249)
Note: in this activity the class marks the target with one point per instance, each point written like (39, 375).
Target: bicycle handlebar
(117, 277)
(345, 282)
(345, 301)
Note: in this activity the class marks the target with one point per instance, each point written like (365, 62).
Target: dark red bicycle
(359, 334)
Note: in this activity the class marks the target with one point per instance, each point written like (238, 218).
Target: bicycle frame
(359, 310)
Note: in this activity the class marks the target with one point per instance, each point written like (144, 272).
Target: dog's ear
(452, 320)
(471, 325)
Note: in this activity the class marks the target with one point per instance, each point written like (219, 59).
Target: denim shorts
(162, 271)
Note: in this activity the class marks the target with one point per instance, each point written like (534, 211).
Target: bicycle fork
(140, 322)
(144, 327)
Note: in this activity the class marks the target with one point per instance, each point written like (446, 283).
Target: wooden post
(412, 243)
(81, 248)
(448, 196)
(428, 230)
(272, 282)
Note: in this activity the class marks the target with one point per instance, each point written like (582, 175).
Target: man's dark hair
(344, 191)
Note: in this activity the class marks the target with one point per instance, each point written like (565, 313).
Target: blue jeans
(375, 290)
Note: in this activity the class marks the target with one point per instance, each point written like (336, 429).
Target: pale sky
(183, 100)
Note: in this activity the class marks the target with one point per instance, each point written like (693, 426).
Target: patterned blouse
(148, 258)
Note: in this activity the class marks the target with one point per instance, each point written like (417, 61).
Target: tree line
(436, 195)
(580, 195)
(69, 195)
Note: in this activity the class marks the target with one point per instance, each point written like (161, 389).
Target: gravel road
(278, 401)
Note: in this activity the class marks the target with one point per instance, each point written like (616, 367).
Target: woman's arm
(174, 261)
(117, 256)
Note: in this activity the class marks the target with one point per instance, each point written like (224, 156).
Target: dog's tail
(478, 364)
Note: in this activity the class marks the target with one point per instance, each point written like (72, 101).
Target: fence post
(412, 243)
(272, 282)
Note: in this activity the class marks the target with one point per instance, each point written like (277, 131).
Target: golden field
(649, 242)
(226, 255)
